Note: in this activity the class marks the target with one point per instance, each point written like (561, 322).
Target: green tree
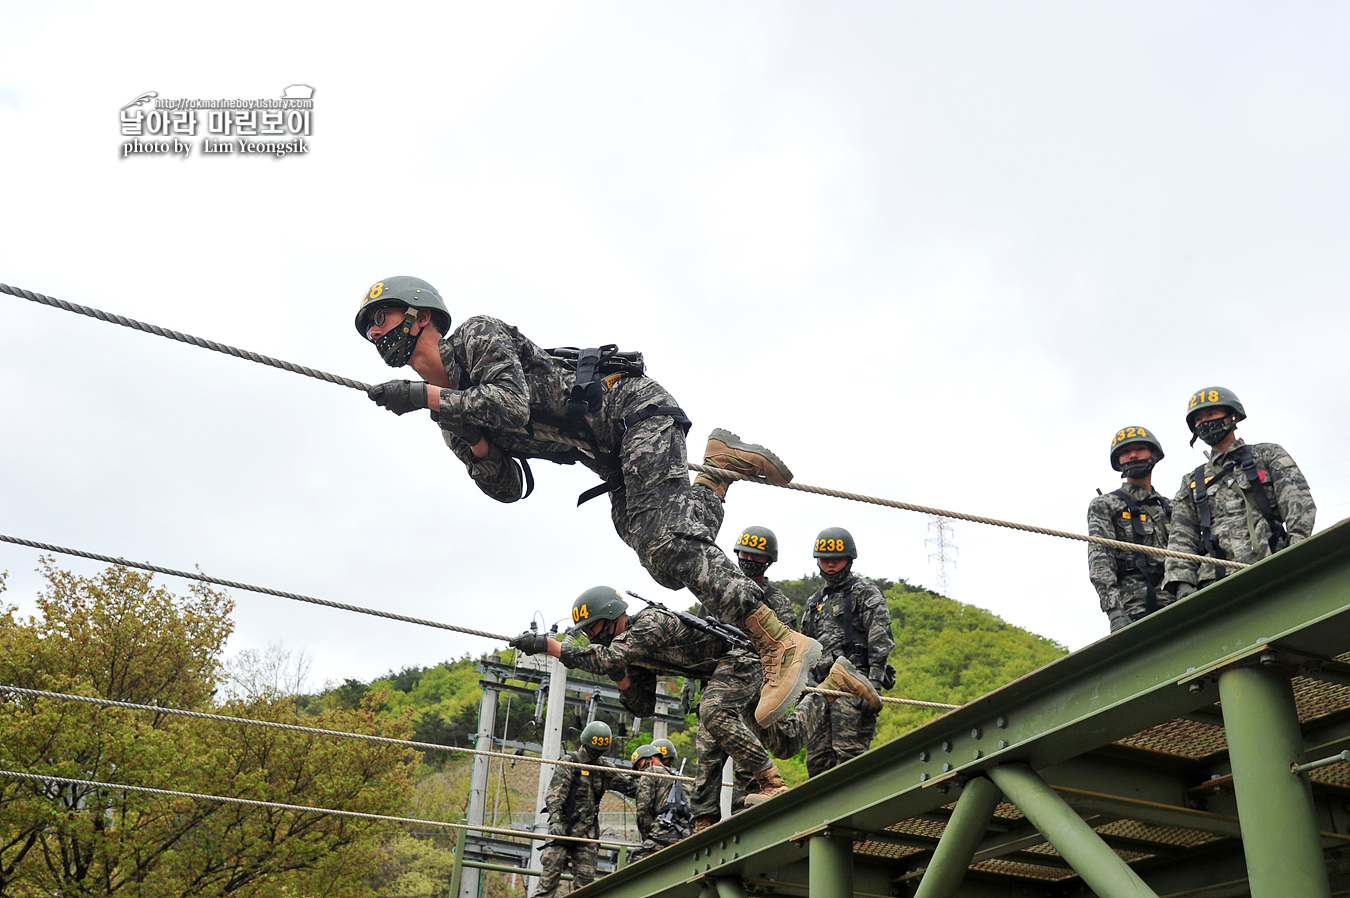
(118, 636)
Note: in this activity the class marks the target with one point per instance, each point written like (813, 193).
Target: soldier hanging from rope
(500, 400)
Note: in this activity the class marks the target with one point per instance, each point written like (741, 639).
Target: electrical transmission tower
(943, 541)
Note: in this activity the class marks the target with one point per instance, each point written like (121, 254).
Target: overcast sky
(937, 252)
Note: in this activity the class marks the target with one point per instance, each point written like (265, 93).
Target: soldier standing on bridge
(1130, 584)
(500, 400)
(662, 808)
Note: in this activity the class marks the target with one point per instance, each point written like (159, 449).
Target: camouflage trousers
(725, 729)
(553, 860)
(672, 524)
(654, 843)
(845, 732)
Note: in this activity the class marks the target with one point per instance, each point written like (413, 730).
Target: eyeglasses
(381, 315)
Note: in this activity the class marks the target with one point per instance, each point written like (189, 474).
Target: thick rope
(924, 509)
(316, 731)
(181, 337)
(567, 441)
(837, 694)
(388, 615)
(248, 802)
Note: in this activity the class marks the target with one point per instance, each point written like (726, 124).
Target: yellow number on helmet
(579, 614)
(376, 291)
(1213, 395)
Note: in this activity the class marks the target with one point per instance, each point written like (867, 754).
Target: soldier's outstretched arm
(1183, 535)
(499, 395)
(497, 474)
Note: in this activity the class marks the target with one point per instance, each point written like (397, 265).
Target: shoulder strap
(1247, 463)
(1139, 559)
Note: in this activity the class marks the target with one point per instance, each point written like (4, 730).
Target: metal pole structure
(553, 723)
(728, 790)
(1279, 826)
(1101, 869)
(830, 859)
(955, 850)
(457, 871)
(659, 726)
(478, 781)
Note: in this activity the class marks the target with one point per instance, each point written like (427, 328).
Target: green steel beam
(951, 859)
(1160, 668)
(1264, 742)
(831, 859)
(1094, 861)
(457, 872)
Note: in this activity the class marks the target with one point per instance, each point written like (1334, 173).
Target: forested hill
(945, 651)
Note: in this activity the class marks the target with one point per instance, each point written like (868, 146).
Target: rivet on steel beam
(946, 768)
(946, 745)
(923, 777)
(723, 846)
(1001, 722)
(975, 733)
(736, 839)
(1003, 743)
(978, 754)
(1196, 687)
(1268, 658)
(923, 756)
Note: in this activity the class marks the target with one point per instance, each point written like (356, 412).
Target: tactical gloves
(1182, 590)
(557, 829)
(399, 396)
(531, 642)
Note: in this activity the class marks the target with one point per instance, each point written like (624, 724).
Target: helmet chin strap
(396, 347)
(840, 575)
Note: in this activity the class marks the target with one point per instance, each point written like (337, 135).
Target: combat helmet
(835, 542)
(758, 541)
(596, 738)
(402, 290)
(1127, 435)
(667, 750)
(1210, 397)
(645, 752)
(598, 603)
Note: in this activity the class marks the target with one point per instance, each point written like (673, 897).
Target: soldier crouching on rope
(500, 400)
(573, 804)
(632, 649)
(1130, 584)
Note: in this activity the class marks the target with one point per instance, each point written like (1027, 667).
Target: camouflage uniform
(850, 723)
(517, 393)
(652, 792)
(573, 805)
(1114, 572)
(1238, 530)
(726, 720)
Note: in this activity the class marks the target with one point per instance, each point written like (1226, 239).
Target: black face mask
(605, 636)
(1216, 431)
(840, 576)
(397, 346)
(1137, 469)
(753, 569)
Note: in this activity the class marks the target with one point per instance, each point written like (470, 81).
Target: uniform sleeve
(1101, 560)
(646, 804)
(614, 660)
(556, 796)
(880, 640)
(498, 475)
(1183, 535)
(498, 397)
(622, 782)
(1293, 498)
(640, 696)
(781, 606)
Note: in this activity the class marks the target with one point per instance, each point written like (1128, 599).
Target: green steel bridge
(1167, 759)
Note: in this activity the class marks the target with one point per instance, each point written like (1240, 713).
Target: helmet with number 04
(835, 542)
(1212, 397)
(596, 737)
(758, 541)
(412, 292)
(1128, 435)
(597, 603)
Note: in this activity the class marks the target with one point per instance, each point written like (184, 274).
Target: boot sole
(813, 650)
(734, 442)
(872, 697)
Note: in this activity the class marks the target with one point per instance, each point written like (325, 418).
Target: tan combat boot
(787, 656)
(704, 821)
(767, 785)
(844, 677)
(727, 451)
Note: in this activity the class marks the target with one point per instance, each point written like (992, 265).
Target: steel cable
(562, 439)
(316, 731)
(253, 803)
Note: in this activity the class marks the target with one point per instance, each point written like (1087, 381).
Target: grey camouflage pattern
(872, 637)
(847, 730)
(1239, 530)
(651, 798)
(584, 821)
(511, 384)
(1105, 518)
